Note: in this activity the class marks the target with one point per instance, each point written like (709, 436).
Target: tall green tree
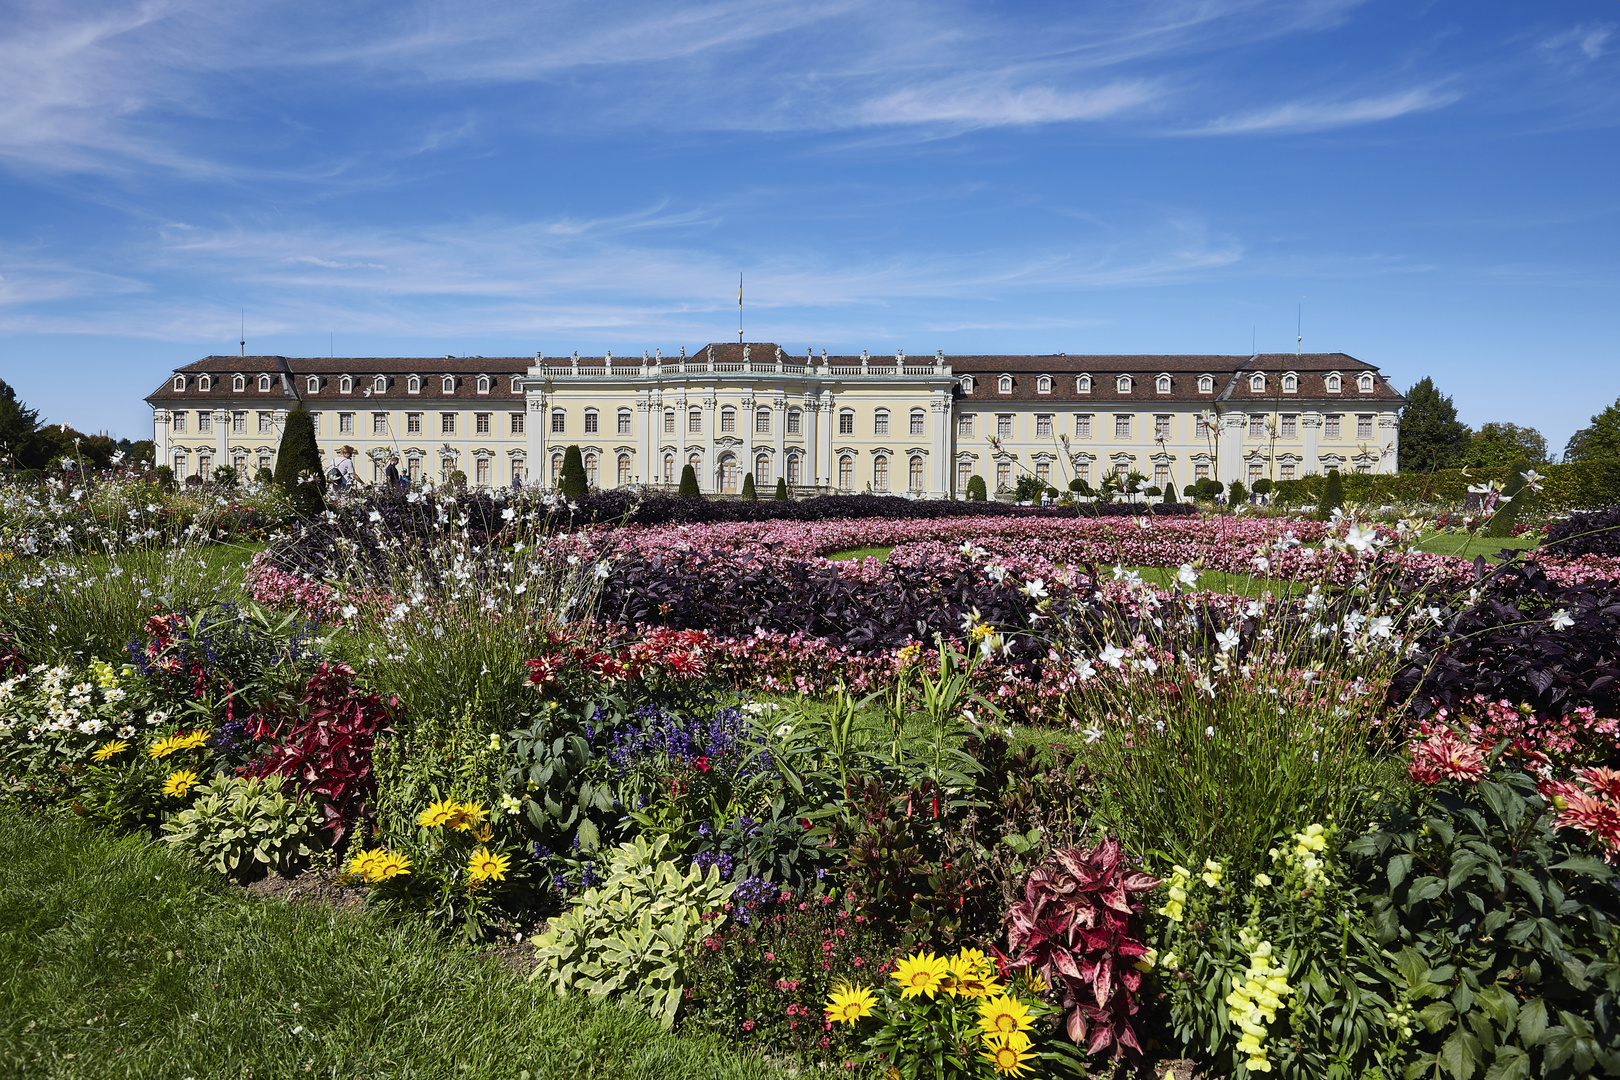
(1499, 444)
(571, 481)
(1594, 451)
(18, 425)
(1431, 435)
(298, 464)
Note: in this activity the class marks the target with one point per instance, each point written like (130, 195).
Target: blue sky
(1436, 184)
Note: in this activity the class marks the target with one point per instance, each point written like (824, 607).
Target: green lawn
(1464, 546)
(118, 961)
(863, 553)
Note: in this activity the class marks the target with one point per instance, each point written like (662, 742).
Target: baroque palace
(919, 425)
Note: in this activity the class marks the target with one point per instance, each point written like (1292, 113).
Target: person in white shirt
(345, 467)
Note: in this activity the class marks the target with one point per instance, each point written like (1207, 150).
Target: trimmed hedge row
(655, 509)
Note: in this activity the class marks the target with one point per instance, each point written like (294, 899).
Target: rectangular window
(1201, 472)
(447, 423)
(481, 472)
(694, 422)
(1043, 425)
(1257, 426)
(379, 423)
(1082, 471)
(205, 422)
(559, 422)
(728, 421)
(267, 424)
(624, 423)
(1290, 426)
(795, 421)
(1364, 427)
(1330, 428)
(1206, 428)
(1255, 471)
(590, 421)
(1161, 427)
(239, 423)
(1004, 426)
(1003, 476)
(762, 422)
(345, 423)
(1161, 476)
(179, 421)
(1122, 426)
(413, 423)
(669, 421)
(964, 426)
(481, 423)
(517, 423)
(880, 423)
(963, 471)
(1082, 425)
(1287, 470)
(1363, 468)
(917, 422)
(846, 424)
(1043, 472)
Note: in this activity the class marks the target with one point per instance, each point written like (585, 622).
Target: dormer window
(413, 385)
(346, 384)
(1364, 382)
(264, 384)
(517, 384)
(205, 382)
(1257, 383)
(483, 384)
(1162, 384)
(1005, 384)
(967, 384)
(1332, 382)
(238, 383)
(1206, 384)
(379, 384)
(1123, 384)
(448, 384)
(1082, 384)
(180, 383)
(1043, 385)
(1290, 383)
(312, 384)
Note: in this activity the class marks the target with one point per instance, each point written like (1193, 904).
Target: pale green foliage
(628, 936)
(238, 825)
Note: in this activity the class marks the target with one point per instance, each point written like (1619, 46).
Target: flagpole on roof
(739, 307)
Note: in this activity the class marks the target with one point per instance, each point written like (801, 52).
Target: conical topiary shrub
(689, 481)
(1332, 495)
(1169, 493)
(1515, 502)
(781, 490)
(298, 464)
(976, 491)
(571, 482)
(748, 492)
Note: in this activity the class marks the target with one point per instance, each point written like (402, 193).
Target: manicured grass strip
(117, 961)
(1217, 581)
(1464, 546)
(863, 553)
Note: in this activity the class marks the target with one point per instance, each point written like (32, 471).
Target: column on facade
(651, 417)
(812, 433)
(222, 437)
(160, 435)
(828, 404)
(535, 432)
(1230, 465)
(940, 444)
(709, 481)
(779, 407)
(1389, 429)
(1311, 425)
(747, 433)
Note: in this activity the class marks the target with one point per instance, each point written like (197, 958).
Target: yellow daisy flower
(1008, 1053)
(849, 1003)
(179, 783)
(378, 864)
(164, 747)
(1004, 1015)
(1031, 980)
(467, 816)
(117, 746)
(191, 740)
(921, 973)
(440, 813)
(486, 866)
(974, 974)
(361, 862)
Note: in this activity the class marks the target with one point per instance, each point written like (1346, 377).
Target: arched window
(517, 384)
(669, 467)
(624, 421)
(846, 471)
(880, 473)
(1290, 383)
(379, 384)
(694, 421)
(413, 385)
(1082, 384)
(1257, 383)
(728, 420)
(762, 421)
(1123, 384)
(179, 464)
(238, 383)
(967, 384)
(846, 422)
(180, 383)
(1162, 384)
(624, 469)
(1043, 385)
(795, 421)
(695, 460)
(1364, 382)
(264, 384)
(590, 421)
(1005, 384)
(312, 384)
(483, 384)
(448, 384)
(556, 465)
(481, 472)
(669, 421)
(345, 385)
(1331, 382)
(205, 382)
(590, 469)
(762, 470)
(880, 422)
(728, 473)
(1206, 384)
(918, 422)
(793, 470)
(916, 477)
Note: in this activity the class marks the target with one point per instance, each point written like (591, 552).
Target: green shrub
(1262, 486)
(1515, 504)
(242, 827)
(975, 489)
(571, 481)
(225, 476)
(457, 479)
(748, 492)
(263, 475)
(298, 464)
(1332, 495)
(629, 936)
(689, 484)
(1237, 496)
(781, 490)
(1169, 493)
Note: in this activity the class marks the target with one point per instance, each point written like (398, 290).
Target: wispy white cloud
(1308, 116)
(970, 103)
(1580, 44)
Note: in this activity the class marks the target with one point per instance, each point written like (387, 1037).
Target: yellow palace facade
(918, 425)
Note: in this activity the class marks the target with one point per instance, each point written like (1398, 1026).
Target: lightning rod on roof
(243, 342)
(739, 306)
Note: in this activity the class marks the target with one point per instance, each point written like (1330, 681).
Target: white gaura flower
(1533, 479)
(1092, 734)
(1561, 620)
(1262, 564)
(1227, 639)
(1112, 655)
(996, 573)
(508, 514)
(1035, 588)
(1209, 732)
(1383, 627)
(1187, 576)
(374, 516)
(1361, 539)
(601, 571)
(350, 611)
(1083, 669)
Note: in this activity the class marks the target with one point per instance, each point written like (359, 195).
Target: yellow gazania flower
(487, 866)
(483, 833)
(379, 864)
(1008, 1053)
(467, 816)
(849, 1003)
(164, 747)
(117, 746)
(974, 974)
(191, 740)
(361, 862)
(920, 973)
(439, 813)
(1031, 980)
(1004, 1015)
(179, 783)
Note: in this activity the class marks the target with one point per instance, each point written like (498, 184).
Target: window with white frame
(880, 422)
(1161, 475)
(1200, 470)
(964, 473)
(177, 422)
(846, 471)
(1257, 383)
(556, 465)
(239, 422)
(919, 422)
(483, 384)
(1257, 426)
(345, 385)
(517, 423)
(205, 465)
(762, 421)
(1082, 425)
(846, 422)
(1364, 426)
(1122, 426)
(1003, 475)
(481, 423)
(447, 423)
(880, 473)
(1290, 383)
(590, 469)
(794, 476)
(1331, 426)
(1043, 385)
(1332, 382)
(728, 420)
(205, 422)
(180, 382)
(762, 470)
(517, 388)
(967, 384)
(264, 384)
(447, 384)
(669, 421)
(1206, 384)
(413, 423)
(1256, 470)
(1043, 472)
(1004, 426)
(1205, 427)
(1082, 384)
(481, 472)
(964, 425)
(914, 475)
(267, 424)
(694, 421)
(669, 468)
(413, 385)
(795, 421)
(413, 469)
(624, 421)
(1082, 470)
(624, 469)
(1290, 426)
(238, 383)
(592, 422)
(1287, 469)
(519, 470)
(345, 423)
(205, 382)
(1161, 426)
(1123, 384)
(312, 384)
(1043, 425)
(1005, 384)
(379, 423)
(1364, 382)
(1162, 384)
